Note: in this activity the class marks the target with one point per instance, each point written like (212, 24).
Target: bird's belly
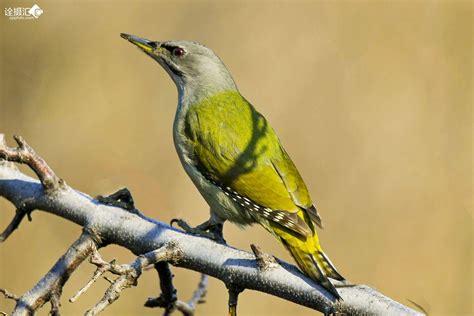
(221, 204)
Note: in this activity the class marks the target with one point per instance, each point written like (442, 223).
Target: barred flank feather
(296, 232)
(287, 219)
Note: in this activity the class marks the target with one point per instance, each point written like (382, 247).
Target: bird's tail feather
(316, 265)
(328, 266)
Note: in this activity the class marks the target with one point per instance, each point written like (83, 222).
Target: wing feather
(235, 146)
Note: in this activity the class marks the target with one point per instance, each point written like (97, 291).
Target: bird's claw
(122, 198)
(208, 231)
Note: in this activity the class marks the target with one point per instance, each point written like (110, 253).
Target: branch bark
(129, 274)
(236, 268)
(49, 288)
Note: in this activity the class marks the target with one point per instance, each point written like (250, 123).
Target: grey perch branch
(238, 269)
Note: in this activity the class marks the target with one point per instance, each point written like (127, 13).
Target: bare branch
(9, 295)
(188, 308)
(5, 163)
(55, 304)
(108, 280)
(144, 235)
(101, 269)
(168, 296)
(129, 274)
(26, 155)
(19, 215)
(49, 288)
(233, 298)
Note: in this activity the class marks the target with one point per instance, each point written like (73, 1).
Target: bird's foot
(216, 231)
(191, 230)
(122, 198)
(206, 229)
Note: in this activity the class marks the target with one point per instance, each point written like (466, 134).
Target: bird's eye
(178, 52)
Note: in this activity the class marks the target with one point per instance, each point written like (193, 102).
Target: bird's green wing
(296, 186)
(235, 147)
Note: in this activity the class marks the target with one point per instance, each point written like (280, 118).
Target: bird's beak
(146, 45)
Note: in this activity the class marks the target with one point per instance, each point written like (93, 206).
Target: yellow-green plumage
(234, 157)
(235, 146)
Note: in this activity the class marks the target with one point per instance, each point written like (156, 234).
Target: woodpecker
(235, 159)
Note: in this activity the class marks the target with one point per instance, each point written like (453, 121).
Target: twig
(49, 288)
(108, 280)
(55, 304)
(233, 299)
(9, 295)
(5, 163)
(188, 308)
(15, 222)
(421, 308)
(129, 274)
(102, 267)
(168, 296)
(26, 155)
(265, 262)
(171, 303)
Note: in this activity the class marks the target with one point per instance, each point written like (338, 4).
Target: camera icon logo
(35, 11)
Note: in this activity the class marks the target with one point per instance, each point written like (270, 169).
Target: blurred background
(371, 99)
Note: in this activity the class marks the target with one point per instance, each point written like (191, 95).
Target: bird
(235, 159)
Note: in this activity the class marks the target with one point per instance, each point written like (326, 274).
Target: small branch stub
(265, 262)
(15, 222)
(233, 299)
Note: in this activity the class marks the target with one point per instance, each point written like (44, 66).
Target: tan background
(372, 101)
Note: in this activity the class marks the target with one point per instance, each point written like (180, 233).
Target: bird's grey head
(193, 67)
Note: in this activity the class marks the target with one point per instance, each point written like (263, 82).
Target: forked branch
(50, 287)
(24, 154)
(129, 274)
